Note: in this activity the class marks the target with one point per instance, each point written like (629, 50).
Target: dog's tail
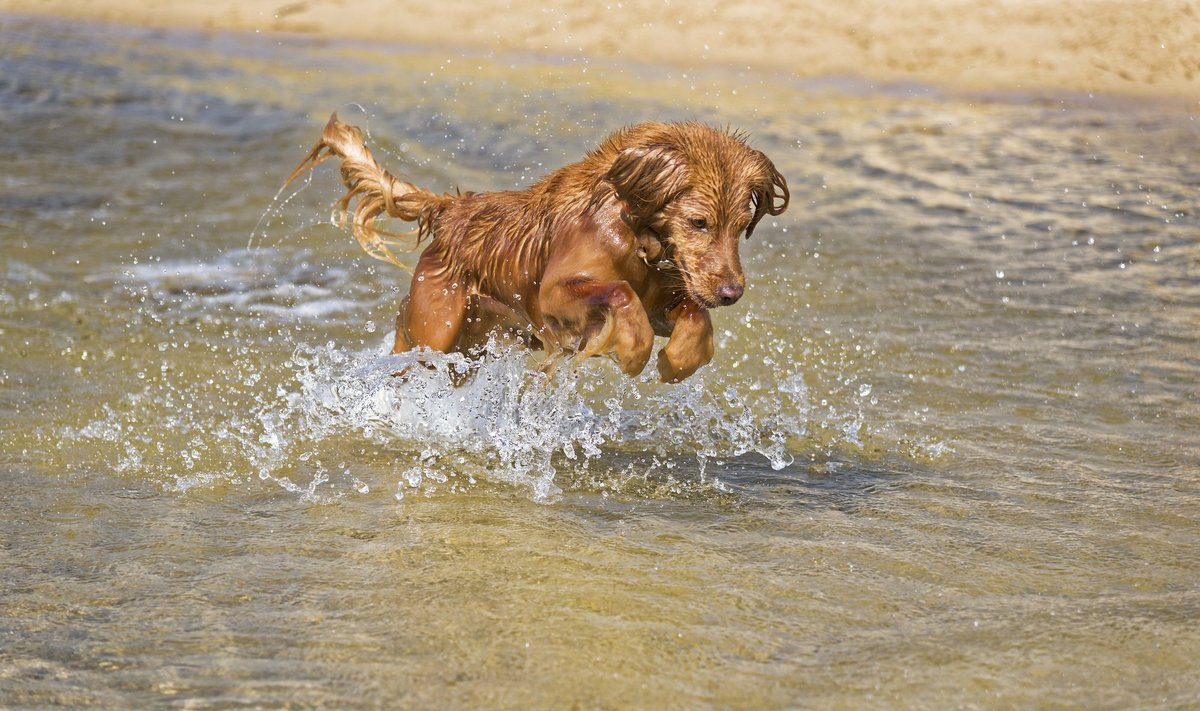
(378, 192)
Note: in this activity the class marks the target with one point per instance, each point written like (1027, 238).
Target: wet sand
(1091, 46)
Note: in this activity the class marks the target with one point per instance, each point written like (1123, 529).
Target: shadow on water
(842, 481)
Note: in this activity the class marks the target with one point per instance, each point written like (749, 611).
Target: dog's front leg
(598, 318)
(690, 345)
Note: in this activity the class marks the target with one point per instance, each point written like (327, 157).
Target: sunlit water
(946, 456)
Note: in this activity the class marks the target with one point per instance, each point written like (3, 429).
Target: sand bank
(1101, 46)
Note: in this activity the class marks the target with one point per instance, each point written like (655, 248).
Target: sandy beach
(1094, 46)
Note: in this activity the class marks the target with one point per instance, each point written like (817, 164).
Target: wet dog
(638, 239)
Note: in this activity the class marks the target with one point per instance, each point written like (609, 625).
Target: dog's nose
(729, 293)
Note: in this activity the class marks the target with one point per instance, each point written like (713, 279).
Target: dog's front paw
(674, 366)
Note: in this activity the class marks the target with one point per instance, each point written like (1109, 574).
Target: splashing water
(505, 423)
(508, 423)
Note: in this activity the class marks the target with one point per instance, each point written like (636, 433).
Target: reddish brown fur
(638, 239)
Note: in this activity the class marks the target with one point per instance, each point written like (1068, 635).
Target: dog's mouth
(694, 293)
(707, 303)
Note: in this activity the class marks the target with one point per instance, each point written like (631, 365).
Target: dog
(639, 239)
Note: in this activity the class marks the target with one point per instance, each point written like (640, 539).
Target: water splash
(339, 422)
(508, 423)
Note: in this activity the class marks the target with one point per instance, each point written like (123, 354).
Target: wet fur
(640, 238)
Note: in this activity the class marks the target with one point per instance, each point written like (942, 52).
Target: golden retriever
(638, 239)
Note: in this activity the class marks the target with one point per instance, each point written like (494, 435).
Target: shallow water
(946, 455)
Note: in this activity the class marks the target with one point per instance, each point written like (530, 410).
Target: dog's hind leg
(402, 344)
(432, 314)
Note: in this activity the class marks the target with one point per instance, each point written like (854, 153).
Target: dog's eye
(699, 223)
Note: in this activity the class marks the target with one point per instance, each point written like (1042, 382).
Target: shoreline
(1076, 47)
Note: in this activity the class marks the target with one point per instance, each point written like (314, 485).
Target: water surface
(946, 455)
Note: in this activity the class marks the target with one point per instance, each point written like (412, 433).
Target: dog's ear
(770, 196)
(646, 178)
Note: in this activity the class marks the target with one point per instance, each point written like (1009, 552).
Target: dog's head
(697, 190)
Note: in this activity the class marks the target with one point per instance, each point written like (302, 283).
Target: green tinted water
(946, 455)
